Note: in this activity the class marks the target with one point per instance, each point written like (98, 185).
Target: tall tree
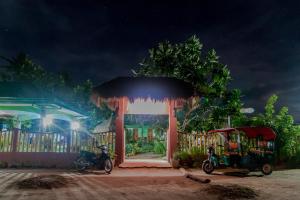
(209, 77)
(288, 133)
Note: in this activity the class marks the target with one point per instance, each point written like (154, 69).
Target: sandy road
(146, 184)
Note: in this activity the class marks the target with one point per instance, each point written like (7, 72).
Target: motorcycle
(88, 160)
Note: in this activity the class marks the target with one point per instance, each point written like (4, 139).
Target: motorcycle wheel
(266, 169)
(80, 164)
(207, 167)
(108, 166)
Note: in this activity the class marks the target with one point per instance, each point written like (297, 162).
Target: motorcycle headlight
(105, 151)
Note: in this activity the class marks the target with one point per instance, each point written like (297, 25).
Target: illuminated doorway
(146, 130)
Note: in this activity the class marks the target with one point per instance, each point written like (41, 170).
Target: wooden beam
(120, 146)
(172, 135)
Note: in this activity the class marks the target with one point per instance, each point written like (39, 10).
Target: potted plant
(185, 159)
(175, 160)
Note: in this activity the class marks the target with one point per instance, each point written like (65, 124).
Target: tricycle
(248, 148)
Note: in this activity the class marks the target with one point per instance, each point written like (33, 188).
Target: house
(36, 130)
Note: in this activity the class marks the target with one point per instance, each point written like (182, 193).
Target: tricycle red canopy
(251, 132)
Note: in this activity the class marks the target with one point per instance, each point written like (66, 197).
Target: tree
(208, 76)
(186, 62)
(287, 140)
(22, 69)
(81, 95)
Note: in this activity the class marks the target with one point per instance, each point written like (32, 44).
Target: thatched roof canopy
(156, 88)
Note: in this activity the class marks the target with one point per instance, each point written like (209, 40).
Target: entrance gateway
(145, 122)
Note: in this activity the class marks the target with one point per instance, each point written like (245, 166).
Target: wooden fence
(36, 149)
(22, 141)
(189, 141)
(6, 141)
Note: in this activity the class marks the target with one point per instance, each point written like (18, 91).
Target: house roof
(157, 88)
(28, 102)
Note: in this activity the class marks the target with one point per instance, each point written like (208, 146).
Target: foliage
(148, 147)
(209, 77)
(288, 134)
(183, 155)
(197, 152)
(132, 149)
(159, 147)
(193, 157)
(81, 94)
(156, 147)
(186, 62)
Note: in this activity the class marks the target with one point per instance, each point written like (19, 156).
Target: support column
(120, 139)
(15, 136)
(172, 136)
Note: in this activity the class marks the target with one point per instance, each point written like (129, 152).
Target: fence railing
(74, 142)
(6, 141)
(106, 138)
(41, 142)
(188, 141)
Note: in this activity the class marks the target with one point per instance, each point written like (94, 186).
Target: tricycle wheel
(208, 167)
(266, 169)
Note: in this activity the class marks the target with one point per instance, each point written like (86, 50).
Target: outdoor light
(47, 121)
(75, 125)
(140, 106)
(247, 110)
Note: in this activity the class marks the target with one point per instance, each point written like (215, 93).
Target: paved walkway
(147, 184)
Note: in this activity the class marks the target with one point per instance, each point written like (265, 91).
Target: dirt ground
(146, 184)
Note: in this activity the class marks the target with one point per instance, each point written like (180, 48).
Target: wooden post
(68, 136)
(172, 136)
(150, 135)
(120, 147)
(15, 137)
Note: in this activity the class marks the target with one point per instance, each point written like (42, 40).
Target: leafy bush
(185, 159)
(196, 152)
(132, 149)
(294, 162)
(198, 155)
(147, 148)
(159, 148)
(288, 133)
(191, 158)
(184, 155)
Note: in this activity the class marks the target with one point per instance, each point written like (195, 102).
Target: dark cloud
(258, 40)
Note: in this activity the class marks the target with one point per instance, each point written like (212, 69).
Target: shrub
(132, 149)
(185, 159)
(198, 156)
(159, 148)
(147, 148)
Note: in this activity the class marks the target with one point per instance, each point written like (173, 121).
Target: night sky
(99, 40)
